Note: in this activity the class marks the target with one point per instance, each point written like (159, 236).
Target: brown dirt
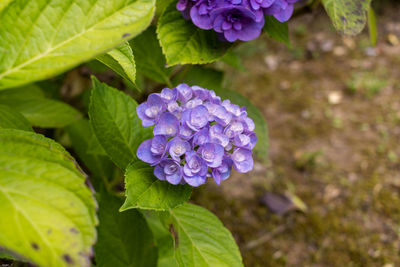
(333, 112)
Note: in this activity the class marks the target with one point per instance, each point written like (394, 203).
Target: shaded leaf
(121, 61)
(145, 191)
(124, 239)
(50, 212)
(149, 58)
(80, 133)
(184, 43)
(115, 123)
(163, 238)
(37, 109)
(277, 30)
(11, 119)
(42, 38)
(233, 59)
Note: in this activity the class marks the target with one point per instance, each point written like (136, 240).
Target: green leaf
(204, 77)
(277, 30)
(11, 119)
(50, 212)
(37, 109)
(149, 58)
(115, 123)
(81, 134)
(163, 238)
(121, 61)
(373, 31)
(124, 238)
(184, 43)
(261, 148)
(201, 239)
(4, 4)
(233, 59)
(348, 16)
(42, 38)
(145, 191)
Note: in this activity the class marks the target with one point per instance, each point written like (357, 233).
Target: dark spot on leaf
(74, 230)
(175, 235)
(125, 35)
(49, 231)
(342, 18)
(35, 246)
(67, 258)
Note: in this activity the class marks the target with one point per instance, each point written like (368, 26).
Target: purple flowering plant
(235, 19)
(196, 136)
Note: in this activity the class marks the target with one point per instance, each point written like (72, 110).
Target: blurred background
(328, 194)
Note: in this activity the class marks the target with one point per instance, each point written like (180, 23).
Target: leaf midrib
(17, 67)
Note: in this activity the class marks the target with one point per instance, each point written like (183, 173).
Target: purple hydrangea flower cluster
(235, 19)
(196, 136)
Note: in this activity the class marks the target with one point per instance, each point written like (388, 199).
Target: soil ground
(333, 113)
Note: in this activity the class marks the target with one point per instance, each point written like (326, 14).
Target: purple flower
(201, 137)
(282, 10)
(167, 125)
(152, 150)
(178, 147)
(195, 169)
(200, 13)
(149, 111)
(169, 95)
(195, 118)
(169, 170)
(213, 136)
(212, 154)
(236, 23)
(223, 171)
(184, 92)
(257, 4)
(242, 160)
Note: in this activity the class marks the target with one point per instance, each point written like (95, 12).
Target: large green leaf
(48, 212)
(41, 38)
(124, 238)
(145, 191)
(81, 135)
(201, 239)
(348, 16)
(121, 61)
(115, 123)
(184, 43)
(11, 119)
(149, 58)
(39, 110)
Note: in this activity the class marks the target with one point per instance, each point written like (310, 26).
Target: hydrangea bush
(235, 19)
(196, 135)
(91, 177)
